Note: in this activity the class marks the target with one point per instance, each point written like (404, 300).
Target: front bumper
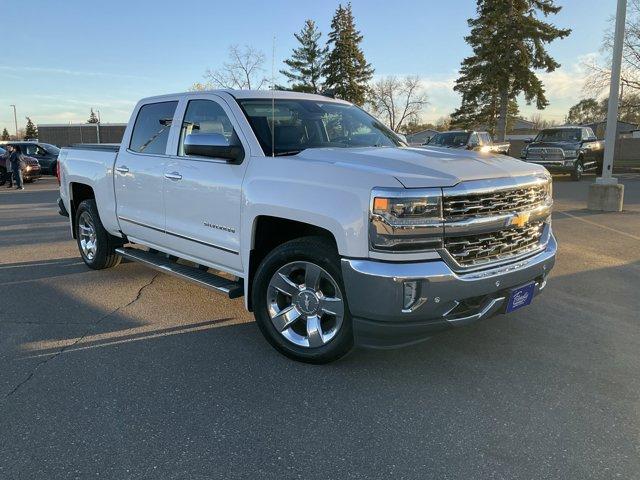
(375, 292)
(566, 166)
(32, 174)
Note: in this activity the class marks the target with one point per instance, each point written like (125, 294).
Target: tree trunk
(502, 117)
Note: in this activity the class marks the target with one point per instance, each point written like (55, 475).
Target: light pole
(15, 119)
(606, 194)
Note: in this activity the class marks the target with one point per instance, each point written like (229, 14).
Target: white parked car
(334, 231)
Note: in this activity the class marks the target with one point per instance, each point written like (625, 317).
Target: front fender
(328, 195)
(342, 212)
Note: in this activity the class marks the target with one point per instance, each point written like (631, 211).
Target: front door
(139, 174)
(202, 195)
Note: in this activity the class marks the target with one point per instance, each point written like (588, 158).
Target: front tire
(300, 302)
(96, 245)
(578, 171)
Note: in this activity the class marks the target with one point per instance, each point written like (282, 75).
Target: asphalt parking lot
(127, 373)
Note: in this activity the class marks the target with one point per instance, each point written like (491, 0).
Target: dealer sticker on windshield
(521, 297)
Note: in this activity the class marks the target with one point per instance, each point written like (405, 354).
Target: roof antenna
(273, 98)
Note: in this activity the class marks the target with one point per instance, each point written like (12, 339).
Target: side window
(201, 117)
(474, 139)
(590, 134)
(151, 130)
(28, 149)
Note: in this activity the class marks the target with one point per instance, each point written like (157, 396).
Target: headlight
(570, 153)
(549, 188)
(406, 220)
(28, 169)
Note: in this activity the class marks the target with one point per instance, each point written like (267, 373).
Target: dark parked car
(45, 153)
(468, 140)
(569, 149)
(30, 171)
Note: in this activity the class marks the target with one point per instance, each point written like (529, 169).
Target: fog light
(410, 294)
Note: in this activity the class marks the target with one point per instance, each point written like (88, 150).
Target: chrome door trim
(173, 176)
(184, 237)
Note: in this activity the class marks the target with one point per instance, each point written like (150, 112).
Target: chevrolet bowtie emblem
(520, 220)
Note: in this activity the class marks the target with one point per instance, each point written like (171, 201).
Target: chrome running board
(159, 261)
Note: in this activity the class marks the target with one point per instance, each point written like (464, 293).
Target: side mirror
(214, 145)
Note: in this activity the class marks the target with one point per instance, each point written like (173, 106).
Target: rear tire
(96, 245)
(300, 302)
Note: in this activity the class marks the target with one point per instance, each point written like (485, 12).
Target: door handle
(122, 169)
(173, 176)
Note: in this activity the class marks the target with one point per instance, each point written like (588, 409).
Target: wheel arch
(268, 232)
(78, 193)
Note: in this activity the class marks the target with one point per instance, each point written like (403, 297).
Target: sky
(62, 58)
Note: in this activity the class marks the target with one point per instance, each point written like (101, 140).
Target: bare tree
(598, 78)
(540, 123)
(243, 71)
(397, 100)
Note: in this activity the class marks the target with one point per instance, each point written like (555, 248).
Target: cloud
(563, 88)
(63, 71)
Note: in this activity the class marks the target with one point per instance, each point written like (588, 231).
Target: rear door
(139, 173)
(202, 195)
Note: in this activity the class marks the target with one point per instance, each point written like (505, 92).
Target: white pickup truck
(334, 230)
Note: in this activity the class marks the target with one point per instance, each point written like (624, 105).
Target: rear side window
(151, 130)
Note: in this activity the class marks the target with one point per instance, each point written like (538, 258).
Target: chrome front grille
(494, 202)
(540, 154)
(478, 249)
(492, 221)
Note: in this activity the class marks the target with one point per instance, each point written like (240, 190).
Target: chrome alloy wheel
(305, 304)
(87, 233)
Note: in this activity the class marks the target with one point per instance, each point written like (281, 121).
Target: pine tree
(346, 69)
(482, 112)
(5, 134)
(30, 131)
(93, 118)
(307, 61)
(508, 40)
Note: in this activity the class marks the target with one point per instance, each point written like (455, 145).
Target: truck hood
(424, 167)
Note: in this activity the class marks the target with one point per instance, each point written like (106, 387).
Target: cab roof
(257, 94)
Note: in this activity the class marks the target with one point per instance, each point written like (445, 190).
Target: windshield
(295, 125)
(53, 150)
(558, 135)
(450, 139)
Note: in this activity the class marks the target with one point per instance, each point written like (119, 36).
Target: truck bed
(90, 165)
(107, 147)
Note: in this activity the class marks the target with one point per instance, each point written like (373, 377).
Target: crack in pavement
(91, 328)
